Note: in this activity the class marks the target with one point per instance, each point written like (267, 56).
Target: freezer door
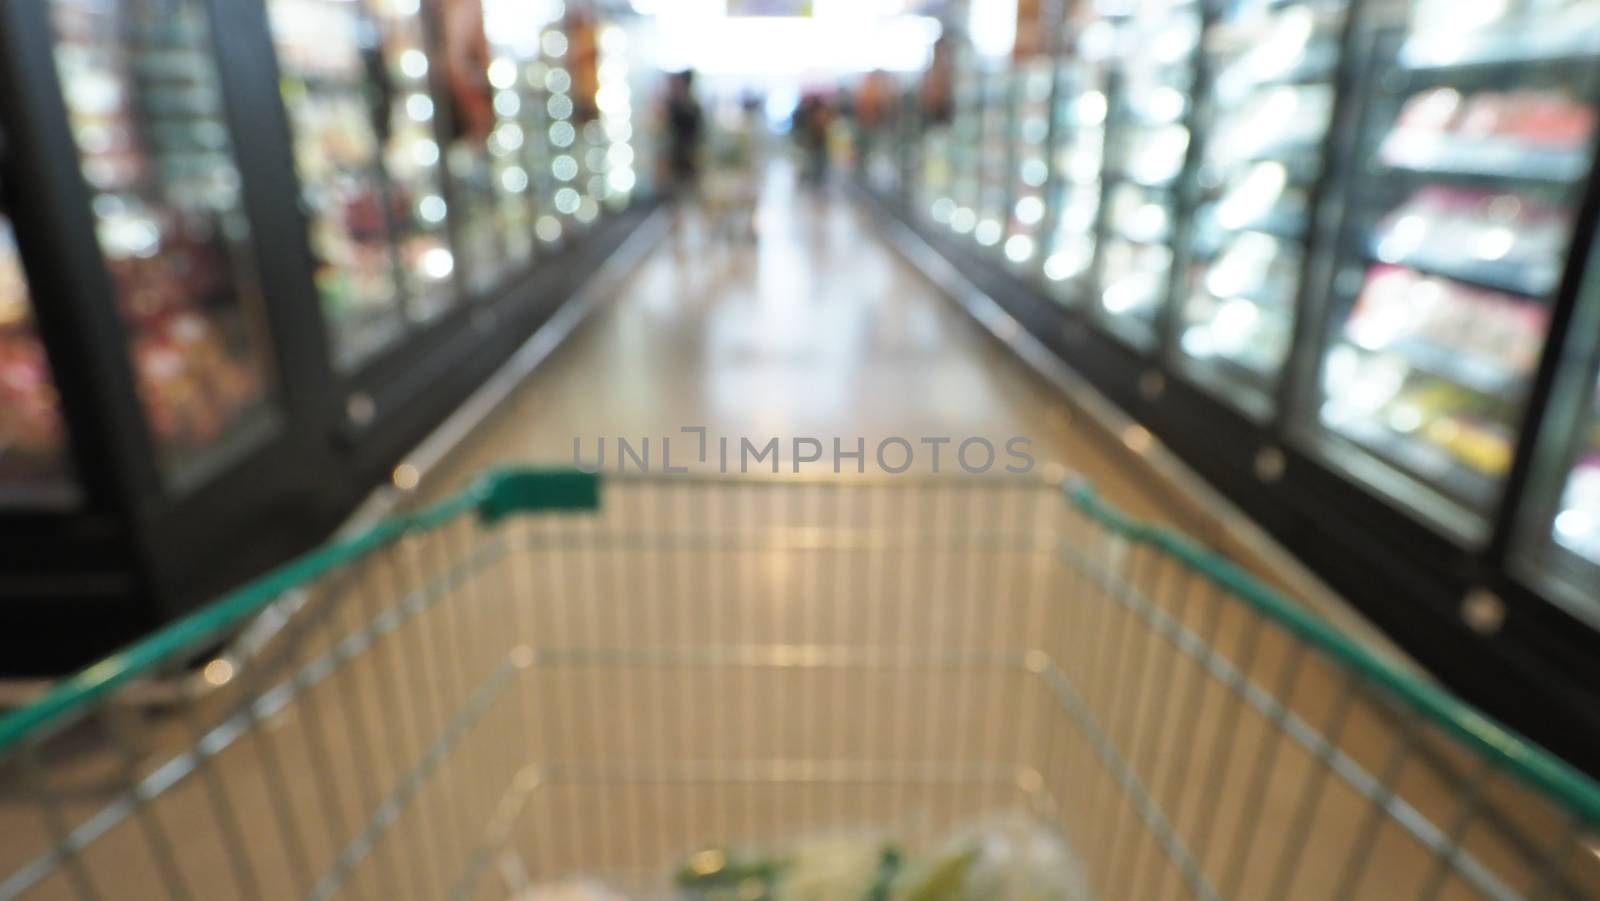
(1574, 528)
(355, 85)
(1147, 145)
(1030, 170)
(1269, 106)
(1472, 164)
(142, 94)
(1557, 547)
(1077, 153)
(34, 466)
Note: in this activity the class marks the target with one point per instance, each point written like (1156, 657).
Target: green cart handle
(505, 493)
(492, 498)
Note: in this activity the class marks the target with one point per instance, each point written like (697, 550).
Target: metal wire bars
(463, 709)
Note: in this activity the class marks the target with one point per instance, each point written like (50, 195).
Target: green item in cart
(840, 870)
(835, 870)
(942, 879)
(888, 867)
(1008, 859)
(715, 875)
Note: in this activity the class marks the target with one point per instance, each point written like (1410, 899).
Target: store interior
(1312, 282)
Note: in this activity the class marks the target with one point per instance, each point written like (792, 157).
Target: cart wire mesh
(523, 683)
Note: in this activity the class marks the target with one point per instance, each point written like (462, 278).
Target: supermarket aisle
(815, 330)
(598, 764)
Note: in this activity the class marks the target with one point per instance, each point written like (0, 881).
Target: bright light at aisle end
(993, 26)
(782, 45)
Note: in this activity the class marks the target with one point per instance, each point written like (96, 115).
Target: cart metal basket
(523, 682)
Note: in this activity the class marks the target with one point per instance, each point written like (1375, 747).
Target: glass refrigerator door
(1077, 153)
(965, 131)
(615, 103)
(994, 156)
(514, 44)
(1558, 540)
(1269, 110)
(1479, 133)
(1148, 141)
(1030, 138)
(34, 469)
(335, 89)
(411, 160)
(566, 138)
(935, 175)
(356, 85)
(547, 137)
(583, 61)
(1574, 530)
(143, 97)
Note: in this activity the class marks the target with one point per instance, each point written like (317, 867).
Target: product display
(326, 83)
(231, 289)
(1449, 33)
(1135, 279)
(1030, 134)
(1240, 316)
(513, 73)
(33, 449)
(1270, 107)
(1457, 236)
(994, 156)
(565, 131)
(960, 209)
(145, 106)
(411, 153)
(1499, 239)
(1147, 144)
(1077, 156)
(1541, 133)
(1432, 372)
(1339, 258)
(614, 102)
(583, 61)
(935, 180)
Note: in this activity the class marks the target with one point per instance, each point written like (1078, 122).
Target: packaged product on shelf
(1135, 278)
(1299, 41)
(1254, 265)
(1496, 335)
(1138, 214)
(1261, 196)
(31, 434)
(1540, 131)
(1451, 32)
(1506, 239)
(1155, 156)
(1279, 121)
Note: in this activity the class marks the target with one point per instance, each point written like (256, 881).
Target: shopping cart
(523, 683)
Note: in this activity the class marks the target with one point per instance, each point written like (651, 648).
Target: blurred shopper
(937, 91)
(733, 180)
(874, 106)
(813, 120)
(685, 126)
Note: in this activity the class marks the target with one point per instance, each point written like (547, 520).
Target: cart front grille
(456, 709)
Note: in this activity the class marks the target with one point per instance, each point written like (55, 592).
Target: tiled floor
(816, 330)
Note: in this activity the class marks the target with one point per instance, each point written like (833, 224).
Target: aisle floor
(814, 329)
